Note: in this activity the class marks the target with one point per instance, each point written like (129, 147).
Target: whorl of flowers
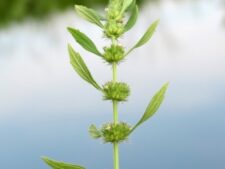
(114, 53)
(115, 133)
(116, 91)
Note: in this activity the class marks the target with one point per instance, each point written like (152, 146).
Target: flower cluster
(114, 10)
(114, 53)
(116, 91)
(114, 26)
(113, 29)
(115, 133)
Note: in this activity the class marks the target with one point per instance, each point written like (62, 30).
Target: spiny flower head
(113, 29)
(114, 53)
(116, 91)
(115, 133)
(114, 9)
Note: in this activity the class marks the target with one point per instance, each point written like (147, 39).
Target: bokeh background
(45, 108)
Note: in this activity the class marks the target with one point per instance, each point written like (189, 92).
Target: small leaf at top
(126, 4)
(145, 38)
(60, 165)
(84, 41)
(132, 5)
(132, 20)
(89, 14)
(153, 106)
(93, 131)
(81, 68)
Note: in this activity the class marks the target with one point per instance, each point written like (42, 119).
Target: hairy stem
(115, 118)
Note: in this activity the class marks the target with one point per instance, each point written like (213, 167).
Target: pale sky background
(188, 46)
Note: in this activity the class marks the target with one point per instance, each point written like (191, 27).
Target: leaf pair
(77, 61)
(89, 45)
(81, 68)
(93, 17)
(151, 109)
(60, 165)
(153, 106)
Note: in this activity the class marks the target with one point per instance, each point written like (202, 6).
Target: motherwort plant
(120, 17)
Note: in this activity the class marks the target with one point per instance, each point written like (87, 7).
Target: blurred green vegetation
(18, 10)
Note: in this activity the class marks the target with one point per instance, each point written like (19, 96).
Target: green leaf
(84, 41)
(60, 165)
(132, 20)
(146, 37)
(153, 106)
(89, 14)
(100, 17)
(81, 68)
(132, 5)
(93, 131)
(126, 4)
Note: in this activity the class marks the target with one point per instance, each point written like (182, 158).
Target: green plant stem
(115, 112)
(115, 118)
(116, 155)
(114, 72)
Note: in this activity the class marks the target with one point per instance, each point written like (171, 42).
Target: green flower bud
(114, 29)
(114, 9)
(116, 91)
(113, 14)
(114, 53)
(115, 133)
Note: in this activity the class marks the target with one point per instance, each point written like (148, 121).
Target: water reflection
(45, 108)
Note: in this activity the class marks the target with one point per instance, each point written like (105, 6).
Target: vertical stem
(116, 155)
(115, 118)
(114, 72)
(115, 104)
(115, 112)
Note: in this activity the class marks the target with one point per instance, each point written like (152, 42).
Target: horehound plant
(120, 17)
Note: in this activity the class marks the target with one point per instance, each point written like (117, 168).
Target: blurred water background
(45, 108)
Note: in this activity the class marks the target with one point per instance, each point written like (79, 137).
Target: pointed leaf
(153, 106)
(81, 68)
(60, 165)
(94, 132)
(126, 4)
(145, 38)
(132, 20)
(89, 14)
(84, 41)
(132, 5)
(100, 17)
